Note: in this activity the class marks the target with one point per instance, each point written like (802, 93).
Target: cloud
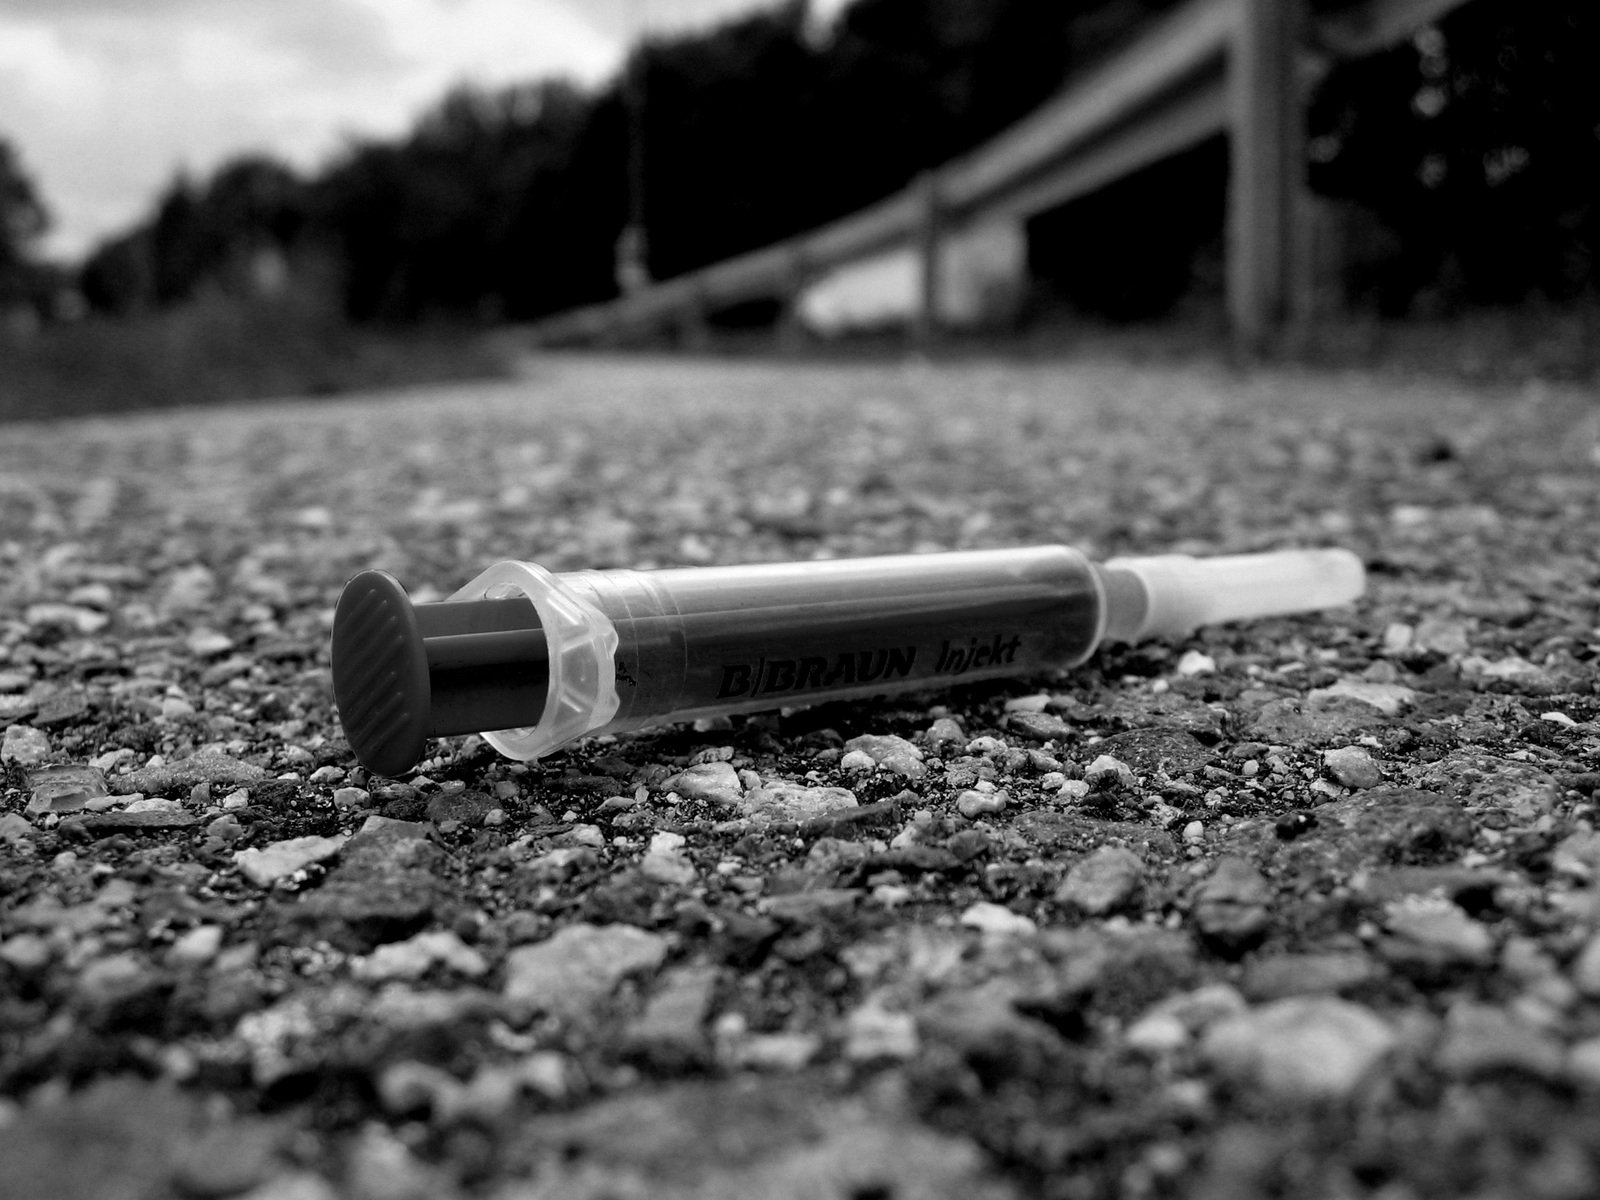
(106, 99)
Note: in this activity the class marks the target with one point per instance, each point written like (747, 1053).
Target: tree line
(1467, 153)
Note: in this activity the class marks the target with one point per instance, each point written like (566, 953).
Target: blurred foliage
(1459, 168)
(1469, 158)
(22, 220)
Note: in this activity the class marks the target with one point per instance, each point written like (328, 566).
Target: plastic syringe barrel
(623, 649)
(533, 660)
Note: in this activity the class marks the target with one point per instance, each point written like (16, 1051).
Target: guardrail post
(791, 331)
(929, 219)
(1267, 173)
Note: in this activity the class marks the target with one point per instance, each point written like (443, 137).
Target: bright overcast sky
(105, 100)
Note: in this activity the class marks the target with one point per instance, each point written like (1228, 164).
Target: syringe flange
(405, 672)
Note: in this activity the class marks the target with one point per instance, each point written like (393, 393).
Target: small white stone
(349, 797)
(268, 865)
(198, 946)
(1194, 832)
(974, 803)
(1106, 769)
(873, 1033)
(1034, 703)
(1195, 663)
(997, 919)
(857, 762)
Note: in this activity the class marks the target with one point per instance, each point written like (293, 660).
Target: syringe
(534, 660)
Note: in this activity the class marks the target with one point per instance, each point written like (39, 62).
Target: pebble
(1586, 969)
(670, 1034)
(1352, 767)
(351, 797)
(888, 752)
(580, 966)
(1577, 857)
(206, 767)
(1281, 975)
(1037, 702)
(197, 946)
(24, 745)
(713, 782)
(69, 616)
(1432, 933)
(1305, 1048)
(269, 864)
(1482, 1039)
(208, 643)
(997, 919)
(1583, 1063)
(777, 1051)
(874, 1034)
(65, 788)
(1106, 771)
(27, 952)
(1171, 1024)
(972, 804)
(668, 867)
(1388, 698)
(945, 732)
(1040, 726)
(780, 800)
(1103, 881)
(417, 955)
(1195, 663)
(14, 828)
(1231, 906)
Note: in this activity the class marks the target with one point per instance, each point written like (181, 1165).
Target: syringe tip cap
(380, 673)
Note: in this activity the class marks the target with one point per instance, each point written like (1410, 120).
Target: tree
(23, 220)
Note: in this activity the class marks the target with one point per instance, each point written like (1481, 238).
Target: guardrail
(1211, 67)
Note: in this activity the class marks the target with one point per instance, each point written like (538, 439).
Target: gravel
(1300, 907)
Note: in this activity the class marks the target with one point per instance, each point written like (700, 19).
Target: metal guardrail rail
(1211, 67)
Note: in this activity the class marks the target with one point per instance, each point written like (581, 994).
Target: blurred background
(218, 199)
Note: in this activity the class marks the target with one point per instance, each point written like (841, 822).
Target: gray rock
(1306, 1048)
(269, 864)
(1172, 751)
(1352, 767)
(185, 774)
(891, 753)
(670, 1034)
(1285, 975)
(25, 745)
(1040, 726)
(1231, 906)
(417, 955)
(783, 801)
(1481, 1039)
(1387, 698)
(101, 825)
(1108, 879)
(383, 889)
(1430, 935)
(713, 782)
(1586, 969)
(65, 788)
(580, 966)
(14, 828)
(945, 732)
(1293, 722)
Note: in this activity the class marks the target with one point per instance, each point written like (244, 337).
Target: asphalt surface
(1306, 906)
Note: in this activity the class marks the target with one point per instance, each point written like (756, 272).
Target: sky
(106, 101)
